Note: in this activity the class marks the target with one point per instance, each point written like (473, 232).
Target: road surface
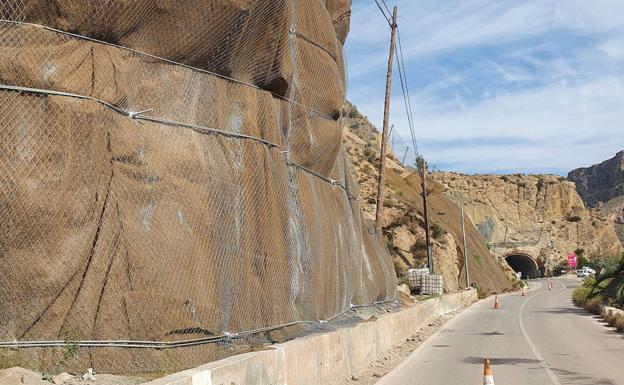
(540, 339)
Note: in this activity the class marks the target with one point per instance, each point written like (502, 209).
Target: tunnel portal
(524, 263)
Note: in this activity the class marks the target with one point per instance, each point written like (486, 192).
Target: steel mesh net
(173, 188)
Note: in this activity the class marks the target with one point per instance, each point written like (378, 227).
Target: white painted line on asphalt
(536, 352)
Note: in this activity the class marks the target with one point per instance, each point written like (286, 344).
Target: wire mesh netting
(173, 188)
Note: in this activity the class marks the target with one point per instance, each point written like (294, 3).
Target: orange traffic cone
(488, 377)
(496, 303)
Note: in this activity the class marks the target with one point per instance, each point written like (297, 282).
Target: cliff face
(602, 186)
(601, 182)
(403, 220)
(540, 215)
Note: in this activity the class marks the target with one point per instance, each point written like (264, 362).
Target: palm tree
(610, 286)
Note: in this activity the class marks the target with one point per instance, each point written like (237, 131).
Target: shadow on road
(563, 310)
(579, 378)
(501, 361)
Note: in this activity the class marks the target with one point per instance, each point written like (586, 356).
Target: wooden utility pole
(422, 166)
(384, 135)
(465, 247)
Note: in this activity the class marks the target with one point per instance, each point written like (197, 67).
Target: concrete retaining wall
(321, 358)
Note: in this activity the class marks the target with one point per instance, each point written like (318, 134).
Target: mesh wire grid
(172, 185)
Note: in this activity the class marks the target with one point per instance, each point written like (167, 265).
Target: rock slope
(541, 215)
(602, 186)
(227, 205)
(601, 182)
(403, 221)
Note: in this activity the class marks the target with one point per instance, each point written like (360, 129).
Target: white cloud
(555, 87)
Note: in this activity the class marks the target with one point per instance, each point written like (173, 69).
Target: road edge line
(536, 353)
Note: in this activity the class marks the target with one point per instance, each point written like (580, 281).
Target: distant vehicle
(585, 272)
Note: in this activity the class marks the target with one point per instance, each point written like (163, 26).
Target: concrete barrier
(322, 358)
(610, 311)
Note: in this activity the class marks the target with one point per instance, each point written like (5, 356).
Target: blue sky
(498, 86)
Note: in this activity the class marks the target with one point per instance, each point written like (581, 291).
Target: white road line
(536, 352)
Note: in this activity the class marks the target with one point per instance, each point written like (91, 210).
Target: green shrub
(573, 218)
(610, 286)
(437, 231)
(619, 324)
(580, 295)
(419, 249)
(389, 203)
(593, 306)
(404, 281)
(481, 293)
(10, 358)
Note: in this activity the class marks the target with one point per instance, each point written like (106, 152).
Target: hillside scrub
(403, 214)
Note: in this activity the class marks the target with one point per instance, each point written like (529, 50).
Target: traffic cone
(488, 377)
(549, 285)
(496, 303)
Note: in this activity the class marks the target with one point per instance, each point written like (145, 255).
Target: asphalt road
(538, 339)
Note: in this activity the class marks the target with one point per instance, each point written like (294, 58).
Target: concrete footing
(322, 358)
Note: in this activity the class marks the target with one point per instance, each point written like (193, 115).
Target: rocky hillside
(538, 214)
(601, 182)
(403, 221)
(602, 186)
(614, 209)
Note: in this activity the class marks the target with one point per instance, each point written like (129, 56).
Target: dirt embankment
(403, 219)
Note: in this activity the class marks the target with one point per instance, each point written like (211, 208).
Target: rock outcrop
(601, 182)
(602, 186)
(614, 209)
(403, 220)
(541, 215)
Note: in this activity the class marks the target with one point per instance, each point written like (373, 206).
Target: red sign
(572, 260)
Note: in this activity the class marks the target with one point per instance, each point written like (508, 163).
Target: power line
(386, 5)
(402, 76)
(406, 95)
(382, 11)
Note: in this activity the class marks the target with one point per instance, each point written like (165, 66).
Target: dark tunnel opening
(523, 263)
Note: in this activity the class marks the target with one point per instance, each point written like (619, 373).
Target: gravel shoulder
(391, 359)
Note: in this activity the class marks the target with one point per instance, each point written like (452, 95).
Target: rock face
(601, 182)
(614, 209)
(227, 205)
(602, 186)
(403, 220)
(541, 215)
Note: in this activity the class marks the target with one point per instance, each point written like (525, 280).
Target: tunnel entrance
(523, 263)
